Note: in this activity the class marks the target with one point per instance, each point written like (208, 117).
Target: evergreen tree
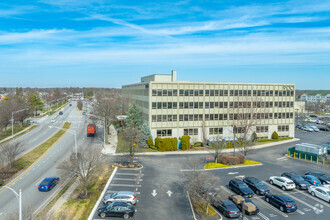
(35, 102)
(134, 116)
(144, 135)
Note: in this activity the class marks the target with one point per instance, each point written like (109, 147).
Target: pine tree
(134, 116)
(35, 102)
(145, 134)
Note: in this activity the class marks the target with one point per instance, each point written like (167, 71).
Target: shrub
(1, 182)
(150, 143)
(274, 135)
(185, 142)
(230, 159)
(230, 145)
(198, 144)
(254, 136)
(166, 144)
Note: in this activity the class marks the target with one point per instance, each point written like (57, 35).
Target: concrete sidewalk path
(110, 149)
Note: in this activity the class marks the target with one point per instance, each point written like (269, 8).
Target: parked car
(308, 129)
(298, 125)
(256, 185)
(239, 187)
(118, 209)
(48, 184)
(320, 191)
(324, 128)
(312, 180)
(283, 182)
(320, 122)
(284, 203)
(240, 206)
(121, 196)
(60, 113)
(321, 176)
(227, 208)
(314, 128)
(298, 180)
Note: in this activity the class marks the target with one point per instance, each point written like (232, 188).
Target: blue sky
(103, 43)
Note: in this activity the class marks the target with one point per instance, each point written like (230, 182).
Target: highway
(46, 166)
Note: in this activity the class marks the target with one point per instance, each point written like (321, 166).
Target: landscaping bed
(17, 128)
(213, 165)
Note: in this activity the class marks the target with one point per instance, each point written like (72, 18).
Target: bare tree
(204, 133)
(9, 151)
(131, 135)
(80, 105)
(83, 165)
(6, 109)
(216, 147)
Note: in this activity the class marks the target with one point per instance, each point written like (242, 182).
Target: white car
(283, 182)
(323, 192)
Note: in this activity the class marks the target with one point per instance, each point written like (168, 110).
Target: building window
(154, 92)
(283, 128)
(169, 93)
(164, 133)
(175, 92)
(181, 92)
(154, 105)
(261, 129)
(201, 92)
(207, 92)
(175, 105)
(215, 131)
(153, 118)
(191, 131)
(186, 92)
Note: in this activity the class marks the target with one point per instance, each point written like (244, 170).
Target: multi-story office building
(176, 108)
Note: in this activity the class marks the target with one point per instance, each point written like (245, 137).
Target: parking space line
(263, 216)
(301, 201)
(127, 179)
(128, 185)
(300, 212)
(130, 174)
(111, 192)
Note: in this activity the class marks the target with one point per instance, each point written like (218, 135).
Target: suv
(284, 203)
(298, 180)
(121, 196)
(117, 209)
(283, 182)
(256, 185)
(239, 187)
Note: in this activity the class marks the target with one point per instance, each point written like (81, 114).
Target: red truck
(91, 130)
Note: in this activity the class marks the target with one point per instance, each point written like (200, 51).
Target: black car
(240, 206)
(256, 185)
(117, 209)
(324, 128)
(239, 187)
(284, 203)
(321, 176)
(298, 180)
(227, 208)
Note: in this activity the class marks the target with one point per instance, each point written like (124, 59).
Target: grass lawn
(213, 165)
(81, 208)
(17, 128)
(123, 146)
(267, 141)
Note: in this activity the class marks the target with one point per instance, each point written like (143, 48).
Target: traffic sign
(208, 158)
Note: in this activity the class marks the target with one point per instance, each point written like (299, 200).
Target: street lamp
(19, 197)
(12, 120)
(71, 132)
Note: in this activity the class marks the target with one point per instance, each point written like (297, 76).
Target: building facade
(315, 98)
(175, 108)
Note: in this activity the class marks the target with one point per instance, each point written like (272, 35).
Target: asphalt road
(28, 181)
(162, 174)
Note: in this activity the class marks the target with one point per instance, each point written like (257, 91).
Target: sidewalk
(208, 152)
(110, 149)
(18, 133)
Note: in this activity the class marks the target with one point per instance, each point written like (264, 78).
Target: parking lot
(159, 184)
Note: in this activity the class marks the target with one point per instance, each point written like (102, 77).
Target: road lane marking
(263, 216)
(301, 201)
(282, 158)
(35, 163)
(300, 212)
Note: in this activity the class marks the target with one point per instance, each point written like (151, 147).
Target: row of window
(192, 92)
(200, 105)
(190, 131)
(281, 128)
(261, 129)
(220, 117)
(164, 132)
(213, 131)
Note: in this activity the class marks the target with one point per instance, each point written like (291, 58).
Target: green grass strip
(213, 165)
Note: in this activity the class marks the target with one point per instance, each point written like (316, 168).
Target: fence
(313, 158)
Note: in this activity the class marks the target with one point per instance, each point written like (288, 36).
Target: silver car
(121, 196)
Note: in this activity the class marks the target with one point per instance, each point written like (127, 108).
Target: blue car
(284, 203)
(312, 180)
(48, 184)
(321, 176)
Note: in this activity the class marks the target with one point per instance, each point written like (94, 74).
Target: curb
(252, 165)
(13, 137)
(191, 206)
(102, 194)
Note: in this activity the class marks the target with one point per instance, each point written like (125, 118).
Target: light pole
(71, 132)
(12, 120)
(19, 197)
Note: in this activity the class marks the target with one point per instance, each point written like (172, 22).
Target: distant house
(3, 96)
(315, 98)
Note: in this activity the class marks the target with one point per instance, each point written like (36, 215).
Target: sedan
(320, 191)
(48, 184)
(314, 128)
(321, 176)
(284, 203)
(298, 180)
(324, 128)
(306, 128)
(312, 180)
(118, 209)
(227, 208)
(256, 185)
(283, 182)
(239, 187)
